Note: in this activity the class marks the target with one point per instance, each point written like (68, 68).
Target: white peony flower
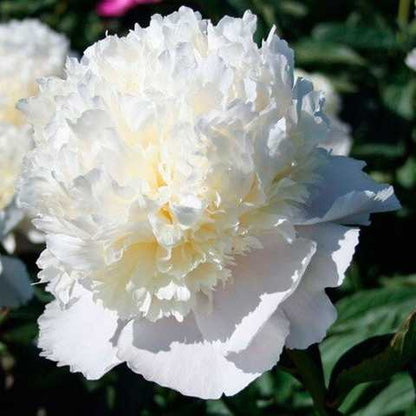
(15, 142)
(28, 50)
(192, 221)
(338, 139)
(411, 59)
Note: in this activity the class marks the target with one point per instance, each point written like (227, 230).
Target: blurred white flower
(28, 50)
(192, 221)
(411, 59)
(15, 142)
(339, 138)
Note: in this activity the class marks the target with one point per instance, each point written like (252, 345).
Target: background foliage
(361, 45)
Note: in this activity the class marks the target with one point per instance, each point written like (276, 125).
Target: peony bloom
(411, 59)
(14, 144)
(113, 8)
(339, 136)
(15, 287)
(192, 221)
(28, 50)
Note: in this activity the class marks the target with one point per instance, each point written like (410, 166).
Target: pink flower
(111, 8)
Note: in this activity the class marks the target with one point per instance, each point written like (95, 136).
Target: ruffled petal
(262, 280)
(309, 309)
(175, 355)
(339, 139)
(15, 287)
(9, 218)
(265, 348)
(79, 335)
(230, 343)
(347, 195)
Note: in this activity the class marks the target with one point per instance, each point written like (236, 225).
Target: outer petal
(309, 309)
(339, 139)
(73, 251)
(265, 348)
(79, 336)
(9, 218)
(222, 351)
(15, 287)
(347, 195)
(261, 281)
(175, 355)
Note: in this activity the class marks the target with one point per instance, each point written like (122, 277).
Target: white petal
(15, 287)
(339, 140)
(76, 252)
(264, 350)
(79, 336)
(9, 243)
(347, 195)
(174, 355)
(9, 218)
(237, 342)
(309, 309)
(188, 211)
(261, 281)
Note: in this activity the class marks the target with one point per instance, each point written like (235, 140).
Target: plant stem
(403, 12)
(309, 368)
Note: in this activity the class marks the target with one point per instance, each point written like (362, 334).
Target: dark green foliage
(375, 359)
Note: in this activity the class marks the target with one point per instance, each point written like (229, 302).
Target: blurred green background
(361, 46)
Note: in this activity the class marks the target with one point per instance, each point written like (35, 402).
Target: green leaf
(406, 175)
(400, 98)
(21, 334)
(316, 52)
(371, 308)
(366, 314)
(379, 150)
(374, 359)
(294, 8)
(395, 399)
(240, 5)
(217, 408)
(3, 348)
(357, 36)
(395, 281)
